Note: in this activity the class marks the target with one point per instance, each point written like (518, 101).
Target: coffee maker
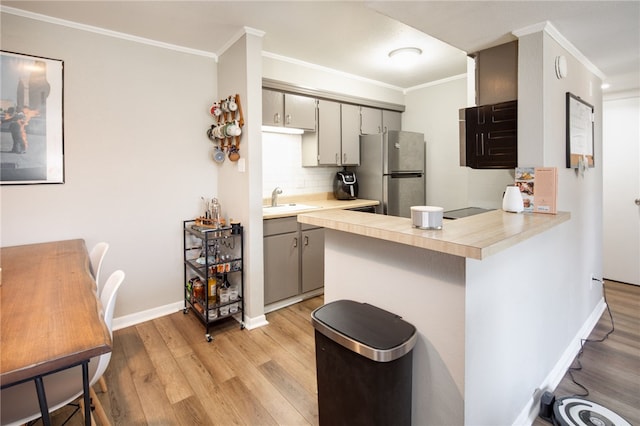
(345, 186)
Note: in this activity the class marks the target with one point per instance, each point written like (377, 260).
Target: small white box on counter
(427, 217)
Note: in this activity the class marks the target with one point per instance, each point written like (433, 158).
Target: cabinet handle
(288, 119)
(306, 240)
(344, 158)
(276, 118)
(295, 242)
(337, 158)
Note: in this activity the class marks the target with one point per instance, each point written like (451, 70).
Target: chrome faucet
(274, 196)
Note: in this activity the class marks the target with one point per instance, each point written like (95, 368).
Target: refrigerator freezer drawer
(401, 191)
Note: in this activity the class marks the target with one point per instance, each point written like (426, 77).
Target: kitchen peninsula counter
(477, 292)
(474, 237)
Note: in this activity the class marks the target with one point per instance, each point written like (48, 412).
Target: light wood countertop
(324, 201)
(474, 237)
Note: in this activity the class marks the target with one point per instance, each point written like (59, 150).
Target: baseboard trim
(528, 415)
(251, 323)
(149, 314)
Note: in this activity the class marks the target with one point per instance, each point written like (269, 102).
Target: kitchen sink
(284, 208)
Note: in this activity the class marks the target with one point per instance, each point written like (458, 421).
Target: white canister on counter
(426, 217)
(512, 200)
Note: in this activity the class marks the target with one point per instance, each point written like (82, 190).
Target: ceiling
(355, 37)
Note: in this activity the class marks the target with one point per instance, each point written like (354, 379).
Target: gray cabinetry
(293, 259)
(370, 121)
(312, 258)
(328, 137)
(391, 120)
(336, 143)
(288, 110)
(375, 120)
(281, 259)
(350, 135)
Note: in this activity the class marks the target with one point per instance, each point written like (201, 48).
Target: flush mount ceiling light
(406, 52)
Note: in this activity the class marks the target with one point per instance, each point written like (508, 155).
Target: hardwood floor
(611, 369)
(163, 372)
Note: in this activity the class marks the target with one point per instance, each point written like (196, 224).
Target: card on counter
(546, 193)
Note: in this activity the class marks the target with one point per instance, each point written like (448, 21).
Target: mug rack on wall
(226, 131)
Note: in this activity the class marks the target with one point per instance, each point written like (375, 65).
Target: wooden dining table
(51, 317)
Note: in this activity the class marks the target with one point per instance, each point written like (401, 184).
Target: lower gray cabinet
(312, 258)
(293, 259)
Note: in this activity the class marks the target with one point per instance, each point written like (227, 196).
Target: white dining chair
(97, 256)
(19, 403)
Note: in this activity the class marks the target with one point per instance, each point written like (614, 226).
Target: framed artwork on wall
(579, 133)
(31, 111)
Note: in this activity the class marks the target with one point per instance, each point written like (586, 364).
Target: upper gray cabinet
(337, 141)
(373, 120)
(370, 121)
(391, 120)
(288, 110)
(350, 135)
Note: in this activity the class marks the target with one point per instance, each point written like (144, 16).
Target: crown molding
(237, 36)
(329, 70)
(105, 32)
(548, 28)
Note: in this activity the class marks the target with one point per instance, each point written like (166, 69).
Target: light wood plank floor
(163, 372)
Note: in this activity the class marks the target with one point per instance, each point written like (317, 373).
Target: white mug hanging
(232, 104)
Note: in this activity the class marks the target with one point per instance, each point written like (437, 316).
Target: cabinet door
(328, 132)
(492, 136)
(370, 121)
(312, 259)
(300, 112)
(272, 108)
(350, 135)
(281, 267)
(391, 120)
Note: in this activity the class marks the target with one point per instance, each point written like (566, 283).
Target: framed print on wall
(31, 109)
(579, 133)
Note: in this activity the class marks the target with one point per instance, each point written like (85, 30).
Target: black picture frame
(580, 144)
(31, 109)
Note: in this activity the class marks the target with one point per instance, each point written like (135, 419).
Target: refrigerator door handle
(405, 175)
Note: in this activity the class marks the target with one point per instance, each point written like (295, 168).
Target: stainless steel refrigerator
(392, 171)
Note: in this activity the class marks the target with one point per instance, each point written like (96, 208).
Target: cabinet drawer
(281, 225)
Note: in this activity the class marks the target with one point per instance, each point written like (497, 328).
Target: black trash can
(364, 365)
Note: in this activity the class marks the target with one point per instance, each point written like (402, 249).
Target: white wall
(136, 156)
(240, 186)
(433, 110)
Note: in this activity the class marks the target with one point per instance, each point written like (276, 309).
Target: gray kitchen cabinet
(328, 135)
(281, 259)
(288, 110)
(293, 259)
(391, 120)
(375, 120)
(312, 258)
(350, 135)
(336, 143)
(370, 120)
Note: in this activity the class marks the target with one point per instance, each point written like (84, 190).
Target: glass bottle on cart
(213, 273)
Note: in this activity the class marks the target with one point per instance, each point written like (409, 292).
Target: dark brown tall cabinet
(491, 136)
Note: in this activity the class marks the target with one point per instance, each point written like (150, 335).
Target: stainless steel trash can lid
(365, 329)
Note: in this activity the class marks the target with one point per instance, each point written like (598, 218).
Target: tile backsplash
(282, 166)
